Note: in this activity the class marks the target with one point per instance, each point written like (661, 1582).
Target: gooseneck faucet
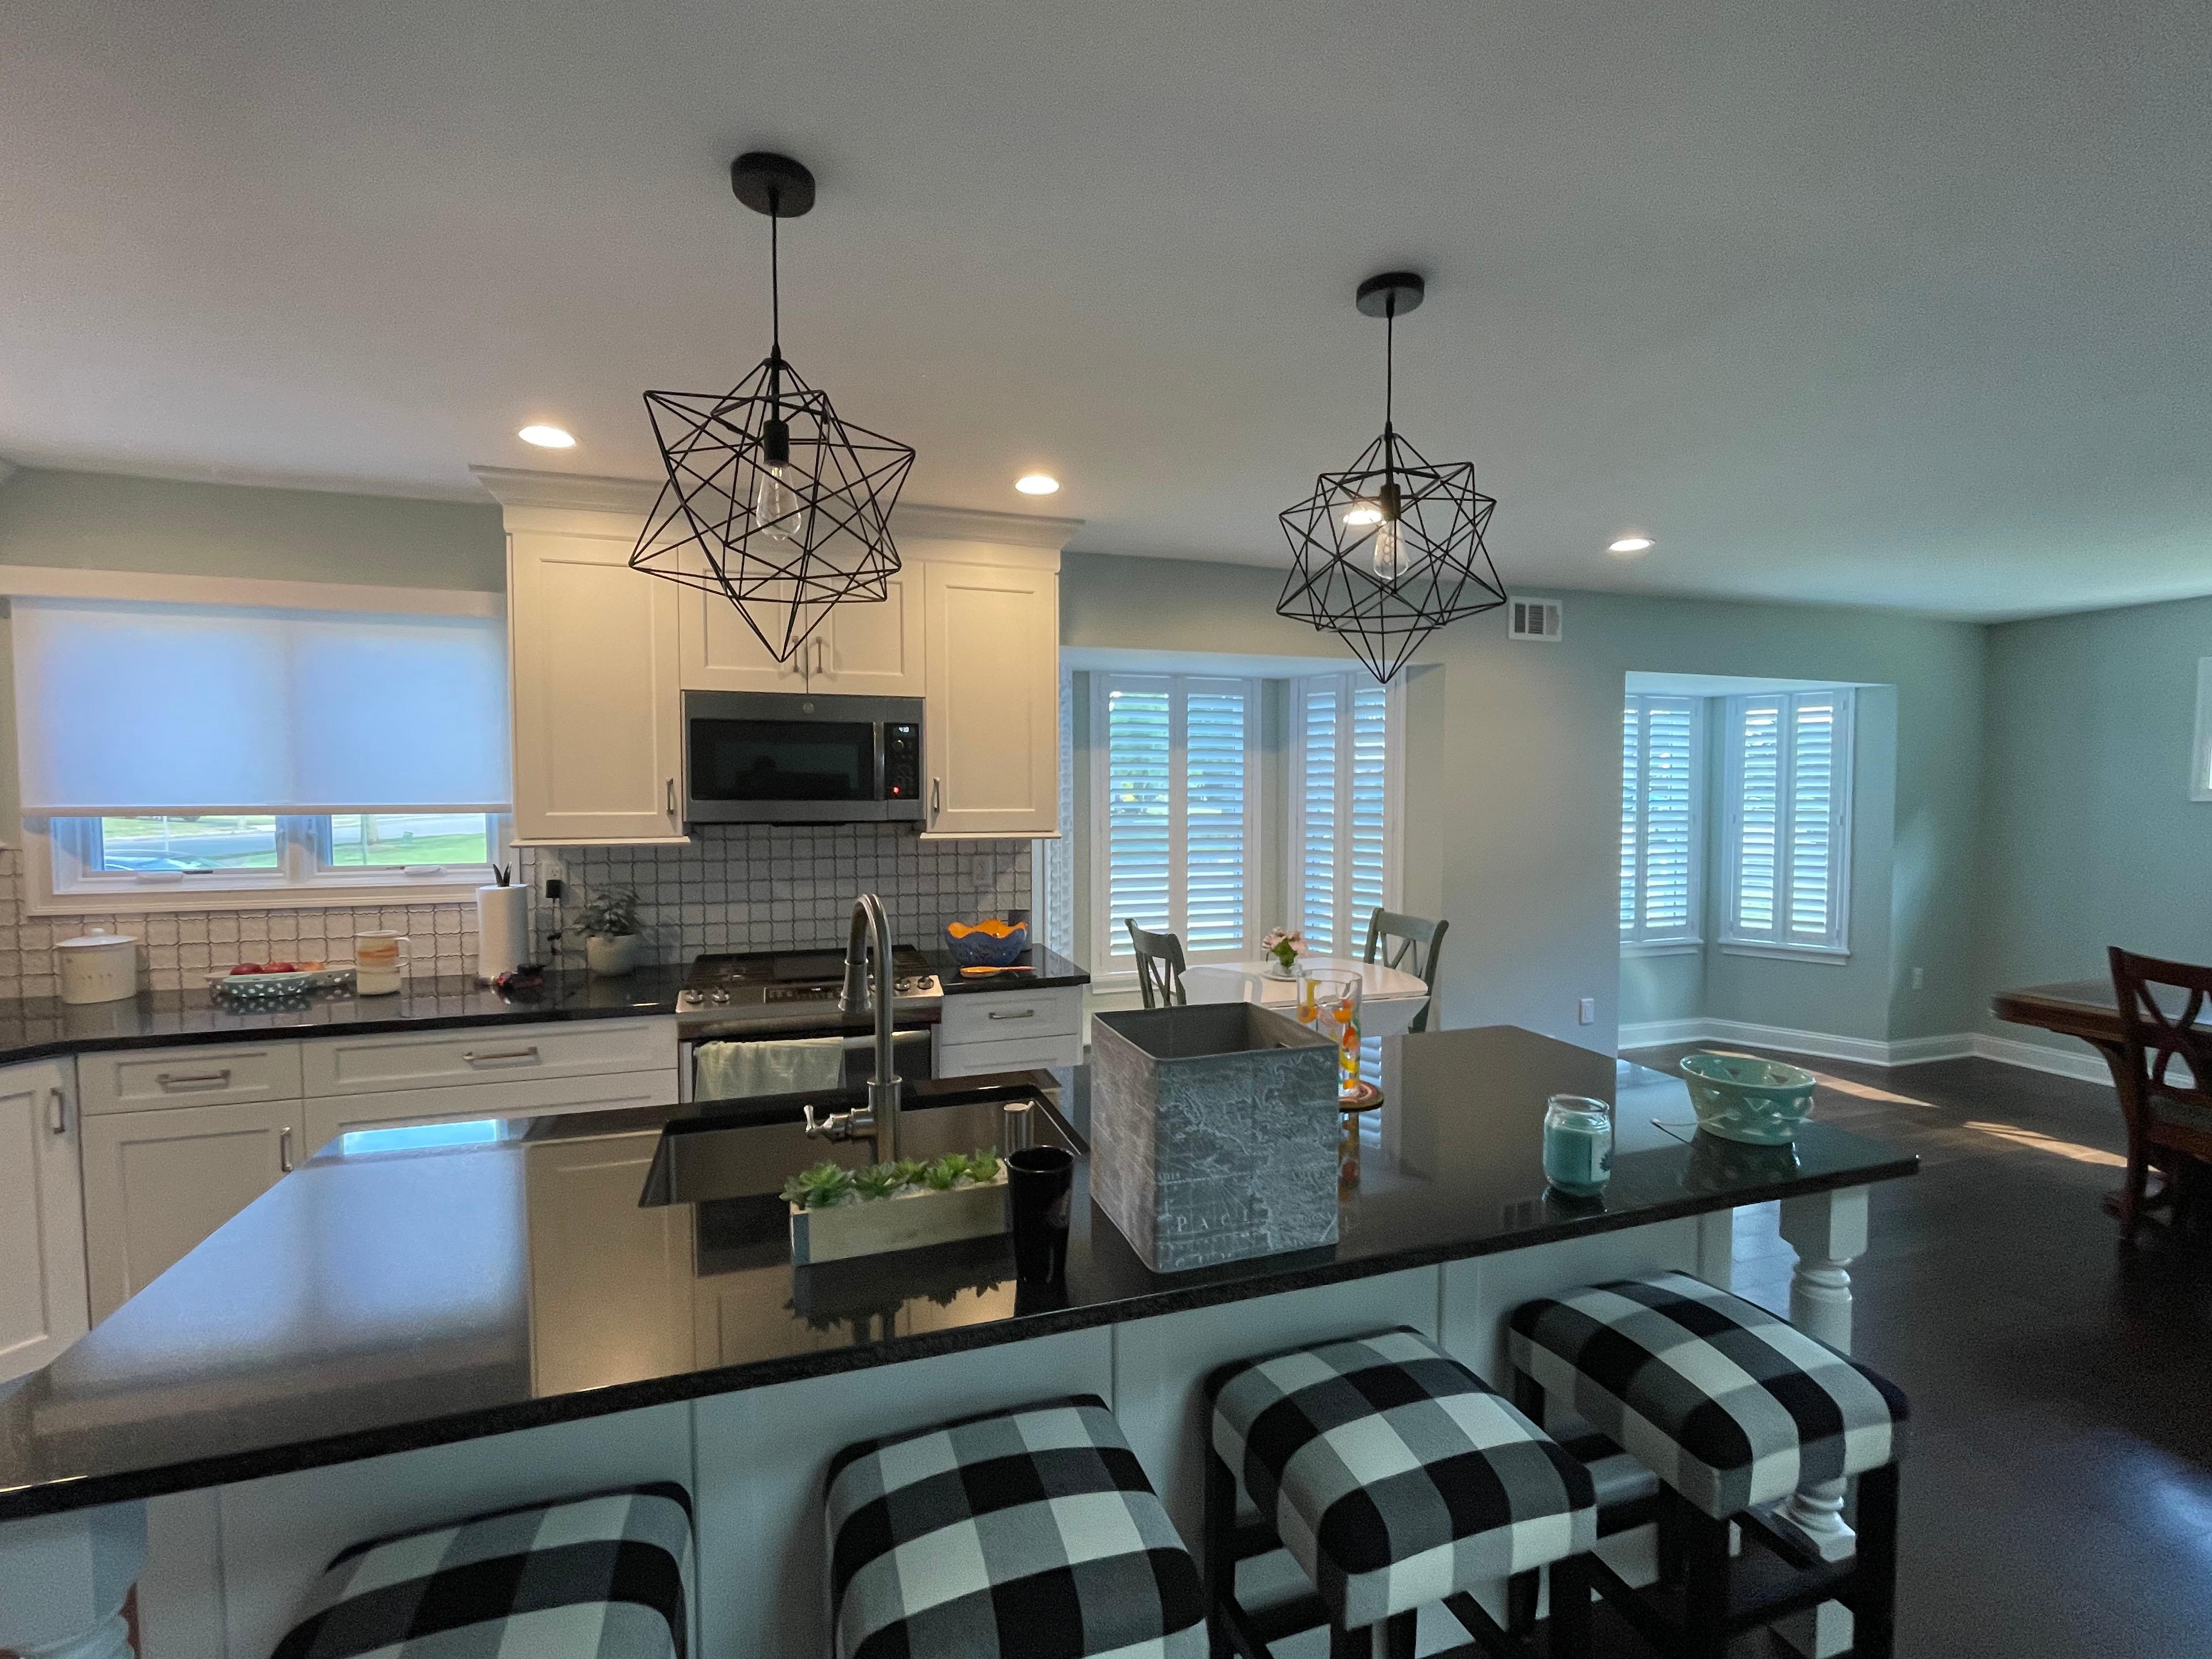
(870, 933)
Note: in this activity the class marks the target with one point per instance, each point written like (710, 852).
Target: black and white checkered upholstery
(606, 1577)
(1731, 1406)
(1025, 1534)
(1393, 1475)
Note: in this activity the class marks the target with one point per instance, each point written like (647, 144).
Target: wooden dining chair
(1413, 942)
(2167, 1120)
(1159, 966)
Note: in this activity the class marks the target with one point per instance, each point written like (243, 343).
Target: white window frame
(1393, 804)
(2200, 751)
(1105, 926)
(57, 851)
(1637, 941)
(1733, 940)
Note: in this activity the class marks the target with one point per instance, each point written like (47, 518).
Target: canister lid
(93, 939)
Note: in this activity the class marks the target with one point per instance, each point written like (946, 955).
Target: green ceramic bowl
(1738, 1098)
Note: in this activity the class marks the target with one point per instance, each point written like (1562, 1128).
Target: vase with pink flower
(1282, 948)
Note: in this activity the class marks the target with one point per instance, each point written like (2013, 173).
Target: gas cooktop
(763, 985)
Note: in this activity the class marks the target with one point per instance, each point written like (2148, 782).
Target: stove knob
(719, 998)
(688, 998)
(904, 987)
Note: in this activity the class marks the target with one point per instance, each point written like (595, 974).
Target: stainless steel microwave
(794, 757)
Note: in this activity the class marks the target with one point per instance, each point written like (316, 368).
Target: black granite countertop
(1040, 966)
(383, 1299)
(40, 1029)
(35, 1029)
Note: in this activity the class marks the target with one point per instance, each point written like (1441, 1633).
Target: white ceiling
(1891, 304)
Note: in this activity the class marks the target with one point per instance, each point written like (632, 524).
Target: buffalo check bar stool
(605, 1576)
(1025, 1534)
(1732, 1408)
(1396, 1478)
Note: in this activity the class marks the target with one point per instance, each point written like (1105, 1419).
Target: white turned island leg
(1828, 1232)
(64, 1579)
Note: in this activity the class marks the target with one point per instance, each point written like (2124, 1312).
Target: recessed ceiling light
(1631, 545)
(547, 437)
(1036, 483)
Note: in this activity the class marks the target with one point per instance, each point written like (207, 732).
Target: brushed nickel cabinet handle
(1011, 1013)
(193, 1079)
(284, 1150)
(936, 797)
(502, 1057)
(57, 1099)
(672, 798)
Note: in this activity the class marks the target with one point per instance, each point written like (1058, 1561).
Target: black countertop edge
(1208, 1287)
(46, 1029)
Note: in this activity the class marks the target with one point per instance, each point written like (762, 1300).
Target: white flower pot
(610, 958)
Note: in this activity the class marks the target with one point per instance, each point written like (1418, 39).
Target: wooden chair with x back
(1413, 942)
(1159, 966)
(2167, 1120)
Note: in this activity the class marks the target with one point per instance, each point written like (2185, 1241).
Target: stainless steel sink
(700, 1160)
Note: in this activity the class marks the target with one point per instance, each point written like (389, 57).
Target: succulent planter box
(905, 1221)
(1213, 1133)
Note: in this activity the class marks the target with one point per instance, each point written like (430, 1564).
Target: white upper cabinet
(598, 737)
(991, 732)
(861, 649)
(43, 1306)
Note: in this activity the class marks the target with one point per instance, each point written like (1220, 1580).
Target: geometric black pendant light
(772, 500)
(1390, 550)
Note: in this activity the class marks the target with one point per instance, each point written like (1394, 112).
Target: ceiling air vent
(1535, 619)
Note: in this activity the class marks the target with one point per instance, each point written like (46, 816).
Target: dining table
(1389, 998)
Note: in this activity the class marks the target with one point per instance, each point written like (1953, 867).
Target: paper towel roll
(502, 931)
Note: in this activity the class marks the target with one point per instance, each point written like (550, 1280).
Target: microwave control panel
(902, 762)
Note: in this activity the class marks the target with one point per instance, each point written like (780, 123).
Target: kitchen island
(399, 1332)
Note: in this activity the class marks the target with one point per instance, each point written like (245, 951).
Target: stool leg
(1572, 1631)
(1398, 1635)
(1704, 1584)
(1351, 1643)
(1218, 1564)
(1874, 1600)
(1522, 1591)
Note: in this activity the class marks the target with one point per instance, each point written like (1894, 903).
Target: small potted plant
(614, 941)
(1282, 948)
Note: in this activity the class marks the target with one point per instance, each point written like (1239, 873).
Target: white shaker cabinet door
(870, 649)
(43, 1304)
(598, 739)
(717, 653)
(991, 730)
(157, 1182)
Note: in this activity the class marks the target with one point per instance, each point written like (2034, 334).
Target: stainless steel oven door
(794, 758)
(911, 1056)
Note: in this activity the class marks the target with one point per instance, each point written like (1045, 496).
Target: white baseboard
(2085, 1066)
(2080, 1062)
(1651, 1034)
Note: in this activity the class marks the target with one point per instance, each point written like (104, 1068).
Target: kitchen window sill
(159, 898)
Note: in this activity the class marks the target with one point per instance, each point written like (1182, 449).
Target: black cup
(1040, 1180)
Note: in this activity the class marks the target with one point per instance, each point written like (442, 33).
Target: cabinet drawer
(1003, 1016)
(215, 1074)
(441, 1059)
(1019, 1054)
(527, 1098)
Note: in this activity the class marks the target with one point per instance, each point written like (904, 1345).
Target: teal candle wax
(1577, 1145)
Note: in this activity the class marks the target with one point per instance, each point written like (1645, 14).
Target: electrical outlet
(1919, 978)
(556, 889)
(1588, 1012)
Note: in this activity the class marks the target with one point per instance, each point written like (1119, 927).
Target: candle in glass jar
(1577, 1145)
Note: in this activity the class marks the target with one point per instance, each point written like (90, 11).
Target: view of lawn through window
(254, 841)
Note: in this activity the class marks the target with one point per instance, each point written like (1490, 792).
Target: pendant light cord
(774, 278)
(1390, 356)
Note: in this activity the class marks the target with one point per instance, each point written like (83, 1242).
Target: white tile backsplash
(734, 888)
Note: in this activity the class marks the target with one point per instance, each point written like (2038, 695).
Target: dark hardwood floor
(2058, 1476)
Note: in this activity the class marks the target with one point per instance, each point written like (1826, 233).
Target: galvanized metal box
(1213, 1133)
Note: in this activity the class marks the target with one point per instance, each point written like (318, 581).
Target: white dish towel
(740, 1071)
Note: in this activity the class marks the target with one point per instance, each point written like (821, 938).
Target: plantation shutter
(1659, 819)
(1789, 803)
(1177, 793)
(1342, 812)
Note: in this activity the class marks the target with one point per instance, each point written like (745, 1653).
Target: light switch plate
(1588, 1012)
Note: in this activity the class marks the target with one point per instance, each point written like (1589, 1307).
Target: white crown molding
(585, 493)
(25, 581)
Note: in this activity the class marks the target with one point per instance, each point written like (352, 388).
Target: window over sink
(186, 756)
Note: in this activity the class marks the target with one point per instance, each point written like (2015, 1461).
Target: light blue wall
(2091, 838)
(1518, 830)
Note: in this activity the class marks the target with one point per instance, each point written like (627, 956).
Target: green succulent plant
(877, 1180)
(942, 1173)
(909, 1171)
(983, 1166)
(818, 1188)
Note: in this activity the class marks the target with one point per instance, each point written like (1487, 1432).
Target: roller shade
(132, 708)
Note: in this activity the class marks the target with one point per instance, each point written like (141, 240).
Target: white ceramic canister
(99, 966)
(379, 961)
